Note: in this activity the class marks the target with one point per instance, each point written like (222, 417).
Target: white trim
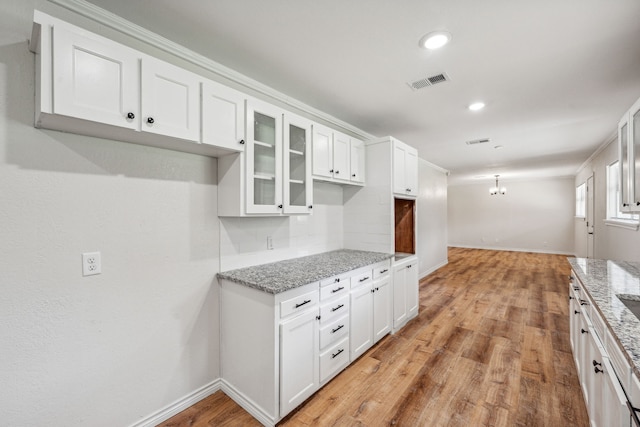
(436, 167)
(599, 150)
(179, 405)
(434, 268)
(120, 24)
(247, 404)
(494, 248)
(629, 225)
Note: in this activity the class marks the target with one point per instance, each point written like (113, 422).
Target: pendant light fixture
(497, 189)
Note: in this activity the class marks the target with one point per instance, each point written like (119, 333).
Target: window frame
(614, 216)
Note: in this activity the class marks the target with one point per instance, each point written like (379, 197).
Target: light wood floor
(490, 347)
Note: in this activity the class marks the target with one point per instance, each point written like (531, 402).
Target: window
(581, 200)
(614, 216)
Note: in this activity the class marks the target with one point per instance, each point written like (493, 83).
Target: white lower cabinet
(299, 377)
(602, 370)
(276, 350)
(370, 309)
(405, 291)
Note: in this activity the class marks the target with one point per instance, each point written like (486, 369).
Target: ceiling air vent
(478, 141)
(429, 81)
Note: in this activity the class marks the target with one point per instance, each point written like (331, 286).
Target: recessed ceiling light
(476, 106)
(434, 40)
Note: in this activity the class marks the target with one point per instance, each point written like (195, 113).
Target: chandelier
(497, 189)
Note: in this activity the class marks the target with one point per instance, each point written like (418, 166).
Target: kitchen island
(605, 337)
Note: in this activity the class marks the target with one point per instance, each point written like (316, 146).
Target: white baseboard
(434, 268)
(497, 248)
(247, 404)
(179, 405)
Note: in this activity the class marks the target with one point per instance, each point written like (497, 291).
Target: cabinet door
(264, 158)
(399, 173)
(298, 186)
(399, 296)
(623, 150)
(361, 320)
(357, 160)
(322, 151)
(299, 356)
(634, 155)
(614, 401)
(381, 307)
(170, 100)
(411, 172)
(341, 151)
(412, 289)
(222, 116)
(95, 79)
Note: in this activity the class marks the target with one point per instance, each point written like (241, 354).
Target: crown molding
(599, 150)
(115, 22)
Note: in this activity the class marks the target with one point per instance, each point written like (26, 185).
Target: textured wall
(535, 216)
(102, 350)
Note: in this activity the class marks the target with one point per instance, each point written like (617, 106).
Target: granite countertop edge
(625, 327)
(281, 276)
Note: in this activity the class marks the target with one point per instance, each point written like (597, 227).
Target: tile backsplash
(243, 241)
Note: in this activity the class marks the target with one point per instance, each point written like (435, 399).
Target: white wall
(610, 242)
(243, 241)
(534, 216)
(103, 350)
(432, 218)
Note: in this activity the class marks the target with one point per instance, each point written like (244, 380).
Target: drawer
(361, 279)
(334, 289)
(335, 308)
(620, 364)
(334, 331)
(334, 359)
(381, 270)
(341, 279)
(299, 303)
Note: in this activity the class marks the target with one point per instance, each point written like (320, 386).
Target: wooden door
(356, 159)
(382, 307)
(361, 337)
(322, 151)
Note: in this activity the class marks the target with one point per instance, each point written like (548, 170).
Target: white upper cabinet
(337, 157)
(298, 185)
(341, 152)
(223, 116)
(263, 158)
(405, 170)
(629, 152)
(94, 79)
(356, 158)
(170, 100)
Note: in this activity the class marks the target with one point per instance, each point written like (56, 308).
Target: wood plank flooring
(490, 347)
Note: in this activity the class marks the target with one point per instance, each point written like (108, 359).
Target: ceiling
(555, 76)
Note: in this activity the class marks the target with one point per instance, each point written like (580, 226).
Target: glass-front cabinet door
(263, 158)
(298, 186)
(623, 149)
(634, 142)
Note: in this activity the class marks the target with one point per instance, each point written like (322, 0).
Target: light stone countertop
(604, 280)
(281, 276)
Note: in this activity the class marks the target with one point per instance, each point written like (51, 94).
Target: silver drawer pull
(364, 278)
(333, 356)
(303, 303)
(333, 331)
(337, 308)
(333, 291)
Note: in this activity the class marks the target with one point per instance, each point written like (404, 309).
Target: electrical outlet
(269, 243)
(91, 263)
